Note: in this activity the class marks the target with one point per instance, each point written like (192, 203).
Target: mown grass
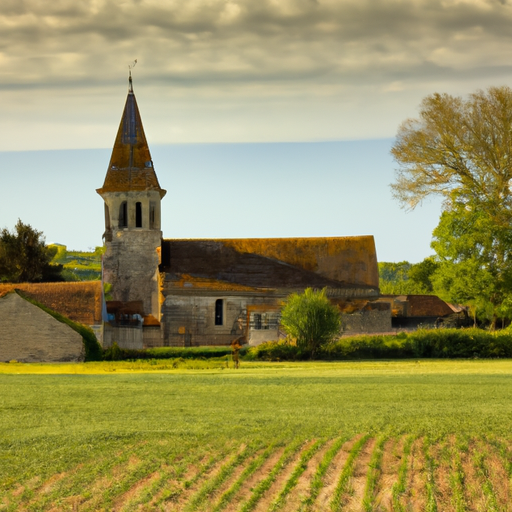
(122, 421)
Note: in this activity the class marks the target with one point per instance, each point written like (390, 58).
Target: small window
(152, 216)
(107, 217)
(123, 215)
(138, 215)
(219, 312)
(257, 321)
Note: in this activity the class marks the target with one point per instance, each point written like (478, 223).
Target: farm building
(35, 335)
(413, 311)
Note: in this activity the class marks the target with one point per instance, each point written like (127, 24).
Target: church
(165, 292)
(184, 292)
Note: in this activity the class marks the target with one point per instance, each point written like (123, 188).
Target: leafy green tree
(405, 278)
(421, 275)
(311, 319)
(474, 255)
(394, 278)
(24, 256)
(461, 149)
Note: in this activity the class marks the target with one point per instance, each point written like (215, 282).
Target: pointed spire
(131, 167)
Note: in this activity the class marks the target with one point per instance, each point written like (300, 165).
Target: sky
(267, 118)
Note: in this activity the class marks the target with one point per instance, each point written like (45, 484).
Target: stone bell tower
(132, 198)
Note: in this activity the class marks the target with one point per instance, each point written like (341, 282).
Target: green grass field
(409, 435)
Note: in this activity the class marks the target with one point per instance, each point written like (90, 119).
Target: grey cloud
(200, 42)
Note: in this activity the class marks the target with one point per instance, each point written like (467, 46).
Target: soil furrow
(179, 499)
(265, 503)
(440, 454)
(254, 480)
(238, 471)
(497, 476)
(332, 475)
(132, 493)
(353, 499)
(301, 491)
(474, 497)
(415, 496)
(392, 456)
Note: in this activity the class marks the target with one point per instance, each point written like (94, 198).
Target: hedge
(435, 343)
(115, 353)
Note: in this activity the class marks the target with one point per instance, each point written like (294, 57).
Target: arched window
(123, 215)
(138, 215)
(219, 312)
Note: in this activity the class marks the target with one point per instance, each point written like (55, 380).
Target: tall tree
(24, 256)
(461, 150)
(474, 260)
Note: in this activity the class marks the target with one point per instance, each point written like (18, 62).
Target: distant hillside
(79, 265)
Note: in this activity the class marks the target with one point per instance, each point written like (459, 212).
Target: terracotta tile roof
(427, 305)
(79, 301)
(275, 263)
(131, 167)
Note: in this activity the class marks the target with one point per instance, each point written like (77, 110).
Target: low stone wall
(152, 336)
(366, 322)
(258, 336)
(125, 337)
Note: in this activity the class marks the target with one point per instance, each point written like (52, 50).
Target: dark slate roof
(240, 262)
(131, 166)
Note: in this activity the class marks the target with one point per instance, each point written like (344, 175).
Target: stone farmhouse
(167, 292)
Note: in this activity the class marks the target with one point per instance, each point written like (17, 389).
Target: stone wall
(125, 337)
(151, 336)
(29, 334)
(366, 321)
(190, 320)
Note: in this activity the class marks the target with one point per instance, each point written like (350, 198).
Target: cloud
(274, 49)
(197, 41)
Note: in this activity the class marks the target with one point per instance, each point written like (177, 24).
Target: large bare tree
(460, 149)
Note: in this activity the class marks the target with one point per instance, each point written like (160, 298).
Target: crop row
(362, 473)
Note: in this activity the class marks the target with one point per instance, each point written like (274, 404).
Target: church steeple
(131, 166)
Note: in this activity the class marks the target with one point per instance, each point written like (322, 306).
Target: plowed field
(380, 436)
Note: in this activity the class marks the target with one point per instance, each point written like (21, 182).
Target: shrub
(311, 319)
(282, 350)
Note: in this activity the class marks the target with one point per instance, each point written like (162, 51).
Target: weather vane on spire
(130, 67)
